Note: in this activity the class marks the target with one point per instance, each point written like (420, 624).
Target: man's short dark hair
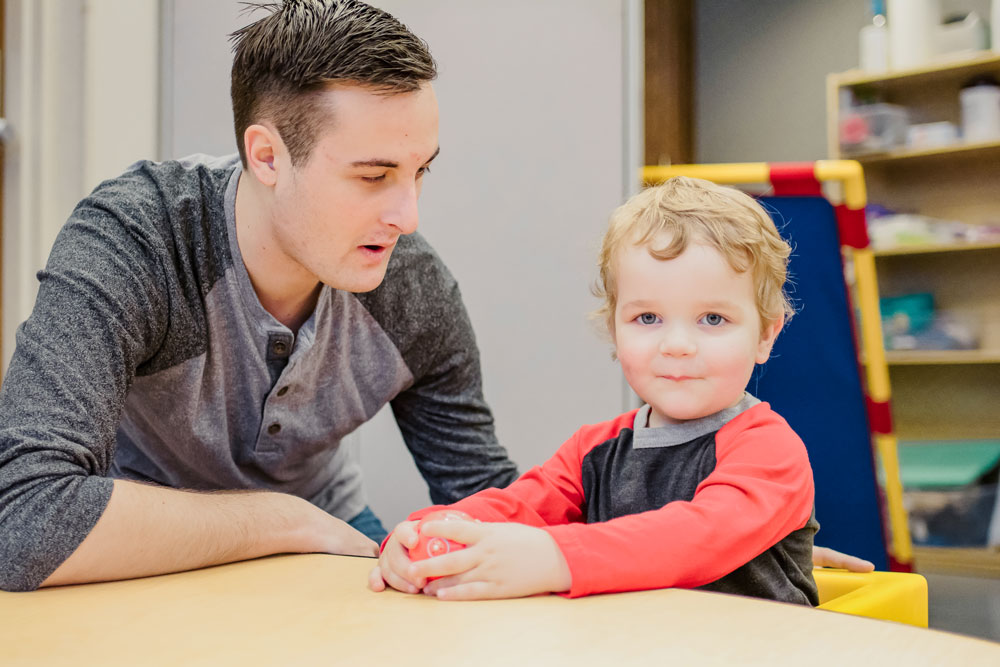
(283, 62)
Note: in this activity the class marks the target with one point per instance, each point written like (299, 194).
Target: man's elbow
(15, 578)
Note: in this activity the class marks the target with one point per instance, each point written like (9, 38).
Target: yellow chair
(892, 596)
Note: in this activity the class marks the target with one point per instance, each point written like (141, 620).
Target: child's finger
(470, 590)
(392, 577)
(406, 534)
(446, 565)
(464, 532)
(433, 587)
(826, 557)
(375, 580)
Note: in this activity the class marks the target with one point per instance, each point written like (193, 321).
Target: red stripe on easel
(879, 416)
(851, 226)
(898, 565)
(791, 179)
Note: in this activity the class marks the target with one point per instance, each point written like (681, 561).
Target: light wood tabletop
(317, 610)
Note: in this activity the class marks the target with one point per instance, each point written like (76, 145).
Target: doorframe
(81, 93)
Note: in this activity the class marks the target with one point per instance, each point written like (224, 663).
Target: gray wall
(760, 73)
(533, 121)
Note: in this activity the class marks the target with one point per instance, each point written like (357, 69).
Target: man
(216, 325)
(206, 331)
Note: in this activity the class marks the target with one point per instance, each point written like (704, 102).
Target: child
(703, 486)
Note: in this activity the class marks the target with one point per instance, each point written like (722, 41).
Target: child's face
(687, 331)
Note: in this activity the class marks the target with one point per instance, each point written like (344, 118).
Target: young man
(221, 325)
(704, 486)
(209, 325)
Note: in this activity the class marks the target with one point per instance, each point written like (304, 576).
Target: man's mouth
(377, 247)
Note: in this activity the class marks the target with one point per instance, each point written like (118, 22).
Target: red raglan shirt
(721, 503)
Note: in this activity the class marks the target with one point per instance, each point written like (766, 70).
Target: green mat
(935, 464)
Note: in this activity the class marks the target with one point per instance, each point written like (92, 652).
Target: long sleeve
(760, 491)
(444, 419)
(96, 315)
(547, 495)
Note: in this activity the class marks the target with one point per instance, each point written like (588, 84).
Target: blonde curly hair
(691, 209)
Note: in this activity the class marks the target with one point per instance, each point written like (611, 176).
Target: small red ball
(428, 547)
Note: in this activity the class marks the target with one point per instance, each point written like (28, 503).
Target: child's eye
(422, 171)
(713, 319)
(373, 179)
(647, 318)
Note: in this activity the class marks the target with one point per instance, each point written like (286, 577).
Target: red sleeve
(760, 491)
(547, 495)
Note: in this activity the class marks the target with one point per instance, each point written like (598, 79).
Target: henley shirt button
(280, 347)
(274, 428)
(282, 391)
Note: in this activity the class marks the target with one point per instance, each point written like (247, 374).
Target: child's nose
(676, 342)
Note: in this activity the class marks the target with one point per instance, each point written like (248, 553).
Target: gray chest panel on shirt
(261, 407)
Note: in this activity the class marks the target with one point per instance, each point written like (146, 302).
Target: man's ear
(767, 338)
(264, 151)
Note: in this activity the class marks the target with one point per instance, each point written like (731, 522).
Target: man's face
(339, 215)
(687, 331)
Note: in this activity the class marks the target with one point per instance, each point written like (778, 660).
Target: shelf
(941, 357)
(935, 248)
(981, 150)
(937, 394)
(956, 68)
(982, 561)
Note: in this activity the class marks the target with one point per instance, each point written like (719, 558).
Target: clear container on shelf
(873, 128)
(952, 517)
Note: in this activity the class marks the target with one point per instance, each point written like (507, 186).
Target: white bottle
(913, 26)
(995, 28)
(873, 42)
(981, 110)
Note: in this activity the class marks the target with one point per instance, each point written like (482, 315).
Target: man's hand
(394, 562)
(333, 536)
(824, 557)
(501, 560)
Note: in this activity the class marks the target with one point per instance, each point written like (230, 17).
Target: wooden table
(316, 610)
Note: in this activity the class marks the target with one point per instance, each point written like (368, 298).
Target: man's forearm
(147, 530)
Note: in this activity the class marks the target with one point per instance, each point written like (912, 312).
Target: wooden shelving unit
(947, 394)
(954, 152)
(928, 249)
(941, 357)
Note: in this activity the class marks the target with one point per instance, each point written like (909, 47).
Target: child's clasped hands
(499, 560)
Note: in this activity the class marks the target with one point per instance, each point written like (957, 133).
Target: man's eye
(647, 318)
(713, 319)
(373, 179)
(423, 170)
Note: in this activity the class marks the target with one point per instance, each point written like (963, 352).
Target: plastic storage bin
(950, 491)
(953, 518)
(873, 128)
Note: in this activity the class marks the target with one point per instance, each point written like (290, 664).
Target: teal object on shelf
(908, 313)
(946, 463)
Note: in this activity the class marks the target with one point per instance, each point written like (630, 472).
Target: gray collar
(678, 434)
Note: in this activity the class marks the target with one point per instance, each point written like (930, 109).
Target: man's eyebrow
(375, 163)
(388, 164)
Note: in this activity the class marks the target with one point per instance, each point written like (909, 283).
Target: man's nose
(676, 341)
(403, 213)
